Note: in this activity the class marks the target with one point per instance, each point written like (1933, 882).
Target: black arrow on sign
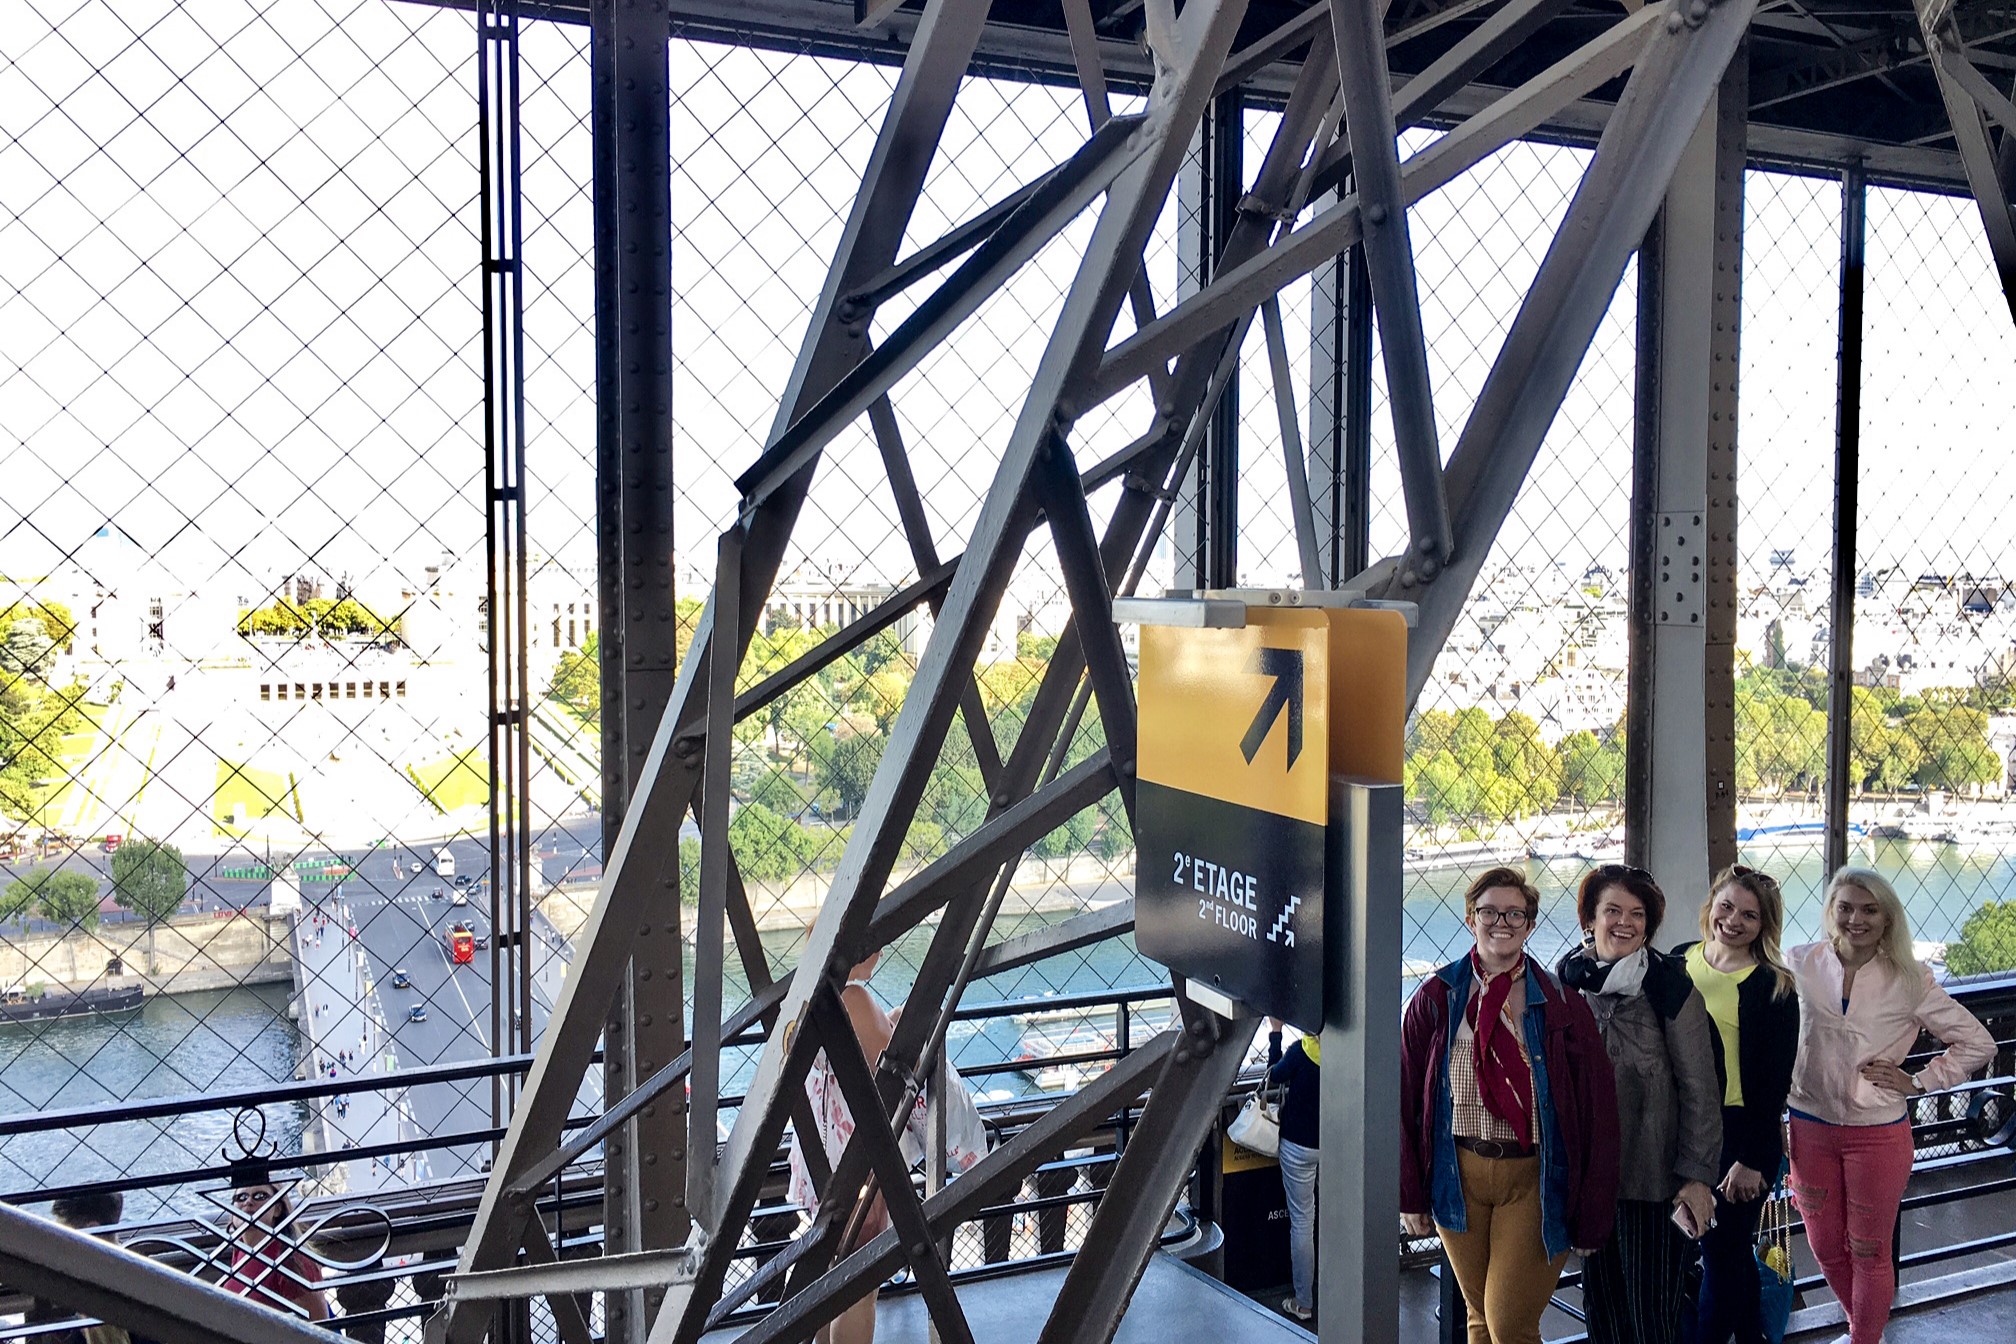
(1285, 666)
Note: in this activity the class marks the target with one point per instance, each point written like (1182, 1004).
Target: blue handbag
(1775, 1273)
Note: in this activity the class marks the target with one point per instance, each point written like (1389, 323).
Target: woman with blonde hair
(1863, 1000)
(1752, 1002)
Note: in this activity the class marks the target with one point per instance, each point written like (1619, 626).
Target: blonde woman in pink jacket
(1863, 999)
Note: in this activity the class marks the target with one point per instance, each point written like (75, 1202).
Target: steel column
(505, 546)
(1679, 799)
(1207, 206)
(1841, 781)
(1358, 1261)
(644, 1204)
(1340, 414)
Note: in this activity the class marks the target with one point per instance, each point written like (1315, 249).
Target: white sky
(239, 313)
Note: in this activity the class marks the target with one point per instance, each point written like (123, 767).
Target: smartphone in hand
(1683, 1218)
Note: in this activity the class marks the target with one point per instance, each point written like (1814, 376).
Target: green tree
(149, 876)
(28, 650)
(577, 677)
(1433, 730)
(60, 895)
(1443, 790)
(767, 847)
(1530, 767)
(1954, 740)
(1073, 837)
(1987, 941)
(846, 767)
(1592, 771)
(779, 792)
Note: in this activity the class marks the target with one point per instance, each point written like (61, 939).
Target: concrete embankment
(190, 953)
(1040, 885)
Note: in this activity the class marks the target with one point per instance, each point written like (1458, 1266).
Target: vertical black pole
(1356, 477)
(1227, 175)
(1847, 468)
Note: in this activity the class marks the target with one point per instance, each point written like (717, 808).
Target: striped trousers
(1633, 1288)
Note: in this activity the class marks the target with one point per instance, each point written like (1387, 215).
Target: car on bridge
(417, 1013)
(400, 980)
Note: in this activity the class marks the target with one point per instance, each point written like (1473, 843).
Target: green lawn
(265, 793)
(450, 782)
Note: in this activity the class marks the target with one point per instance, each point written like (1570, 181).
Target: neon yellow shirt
(1718, 991)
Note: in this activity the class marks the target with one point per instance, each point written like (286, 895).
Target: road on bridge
(359, 1022)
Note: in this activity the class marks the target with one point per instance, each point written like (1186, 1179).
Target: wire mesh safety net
(244, 659)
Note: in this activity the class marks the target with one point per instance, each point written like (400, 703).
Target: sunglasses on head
(1622, 870)
(1740, 870)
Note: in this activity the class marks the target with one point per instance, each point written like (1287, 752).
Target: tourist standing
(1659, 1040)
(1508, 1118)
(1863, 1000)
(1748, 990)
(1299, 1073)
(872, 1028)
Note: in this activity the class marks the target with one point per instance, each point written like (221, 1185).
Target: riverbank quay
(221, 950)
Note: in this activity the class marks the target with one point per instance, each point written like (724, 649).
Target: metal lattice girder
(1670, 85)
(986, 1182)
(1970, 101)
(1389, 252)
(91, 1275)
(1238, 290)
(835, 342)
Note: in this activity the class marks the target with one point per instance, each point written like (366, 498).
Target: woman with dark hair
(1863, 1001)
(1750, 998)
(1657, 1034)
(270, 1264)
(1508, 1119)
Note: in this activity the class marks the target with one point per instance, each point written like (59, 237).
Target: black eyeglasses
(1511, 919)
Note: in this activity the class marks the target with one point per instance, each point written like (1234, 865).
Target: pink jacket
(1887, 1011)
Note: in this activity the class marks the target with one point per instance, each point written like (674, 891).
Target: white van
(444, 863)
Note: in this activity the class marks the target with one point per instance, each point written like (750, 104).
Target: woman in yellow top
(1740, 970)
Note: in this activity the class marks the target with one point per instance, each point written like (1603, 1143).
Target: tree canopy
(149, 876)
(57, 894)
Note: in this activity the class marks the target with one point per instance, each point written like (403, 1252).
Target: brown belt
(1494, 1147)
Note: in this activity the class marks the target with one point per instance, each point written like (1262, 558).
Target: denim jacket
(1573, 1088)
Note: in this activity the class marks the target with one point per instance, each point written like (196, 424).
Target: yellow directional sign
(1242, 736)
(1241, 715)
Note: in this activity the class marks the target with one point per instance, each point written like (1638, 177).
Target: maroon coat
(1577, 1095)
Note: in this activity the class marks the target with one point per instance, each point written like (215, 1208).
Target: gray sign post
(1358, 1262)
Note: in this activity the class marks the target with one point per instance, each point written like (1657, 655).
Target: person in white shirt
(1863, 1000)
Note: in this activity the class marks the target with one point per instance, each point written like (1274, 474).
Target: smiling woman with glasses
(1508, 1119)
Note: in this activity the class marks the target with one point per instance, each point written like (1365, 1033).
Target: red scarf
(1503, 1077)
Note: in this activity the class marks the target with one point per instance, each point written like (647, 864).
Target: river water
(194, 1043)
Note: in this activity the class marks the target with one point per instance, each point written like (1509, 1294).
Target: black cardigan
(1767, 1032)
